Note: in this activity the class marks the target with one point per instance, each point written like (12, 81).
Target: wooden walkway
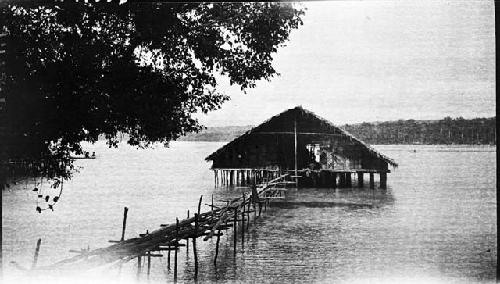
(168, 237)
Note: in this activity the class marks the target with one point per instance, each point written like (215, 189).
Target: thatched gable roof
(282, 120)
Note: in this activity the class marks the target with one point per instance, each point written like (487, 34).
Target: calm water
(435, 223)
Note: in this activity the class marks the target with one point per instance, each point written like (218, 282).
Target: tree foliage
(77, 71)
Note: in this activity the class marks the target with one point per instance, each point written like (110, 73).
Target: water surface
(436, 222)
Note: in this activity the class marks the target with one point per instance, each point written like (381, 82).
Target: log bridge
(168, 237)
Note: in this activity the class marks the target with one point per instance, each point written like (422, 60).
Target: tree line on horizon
(476, 131)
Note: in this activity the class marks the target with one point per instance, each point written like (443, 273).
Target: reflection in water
(436, 221)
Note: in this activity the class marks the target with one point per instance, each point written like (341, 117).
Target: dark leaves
(78, 71)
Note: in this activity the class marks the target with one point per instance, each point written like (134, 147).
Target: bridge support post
(175, 252)
(383, 180)
(217, 248)
(149, 263)
(139, 264)
(342, 179)
(235, 229)
(348, 180)
(243, 222)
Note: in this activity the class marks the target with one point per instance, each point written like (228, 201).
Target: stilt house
(299, 142)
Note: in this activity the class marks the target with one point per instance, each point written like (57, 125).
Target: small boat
(85, 156)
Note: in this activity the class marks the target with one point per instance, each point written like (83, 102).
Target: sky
(355, 61)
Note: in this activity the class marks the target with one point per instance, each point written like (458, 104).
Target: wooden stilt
(37, 251)
(372, 180)
(243, 222)
(194, 247)
(168, 260)
(334, 180)
(149, 263)
(342, 180)
(254, 202)
(124, 225)
(196, 222)
(235, 229)
(295, 153)
(175, 252)
(383, 180)
(138, 266)
(248, 215)
(348, 180)
(217, 248)
(187, 241)
(360, 179)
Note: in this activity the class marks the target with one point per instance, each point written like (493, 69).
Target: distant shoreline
(448, 131)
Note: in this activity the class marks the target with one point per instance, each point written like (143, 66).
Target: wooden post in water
(138, 266)
(248, 214)
(254, 202)
(217, 248)
(175, 253)
(342, 180)
(243, 222)
(348, 180)
(372, 180)
(194, 246)
(196, 216)
(187, 241)
(124, 225)
(37, 251)
(168, 260)
(149, 263)
(235, 236)
(360, 179)
(334, 180)
(295, 155)
(383, 180)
